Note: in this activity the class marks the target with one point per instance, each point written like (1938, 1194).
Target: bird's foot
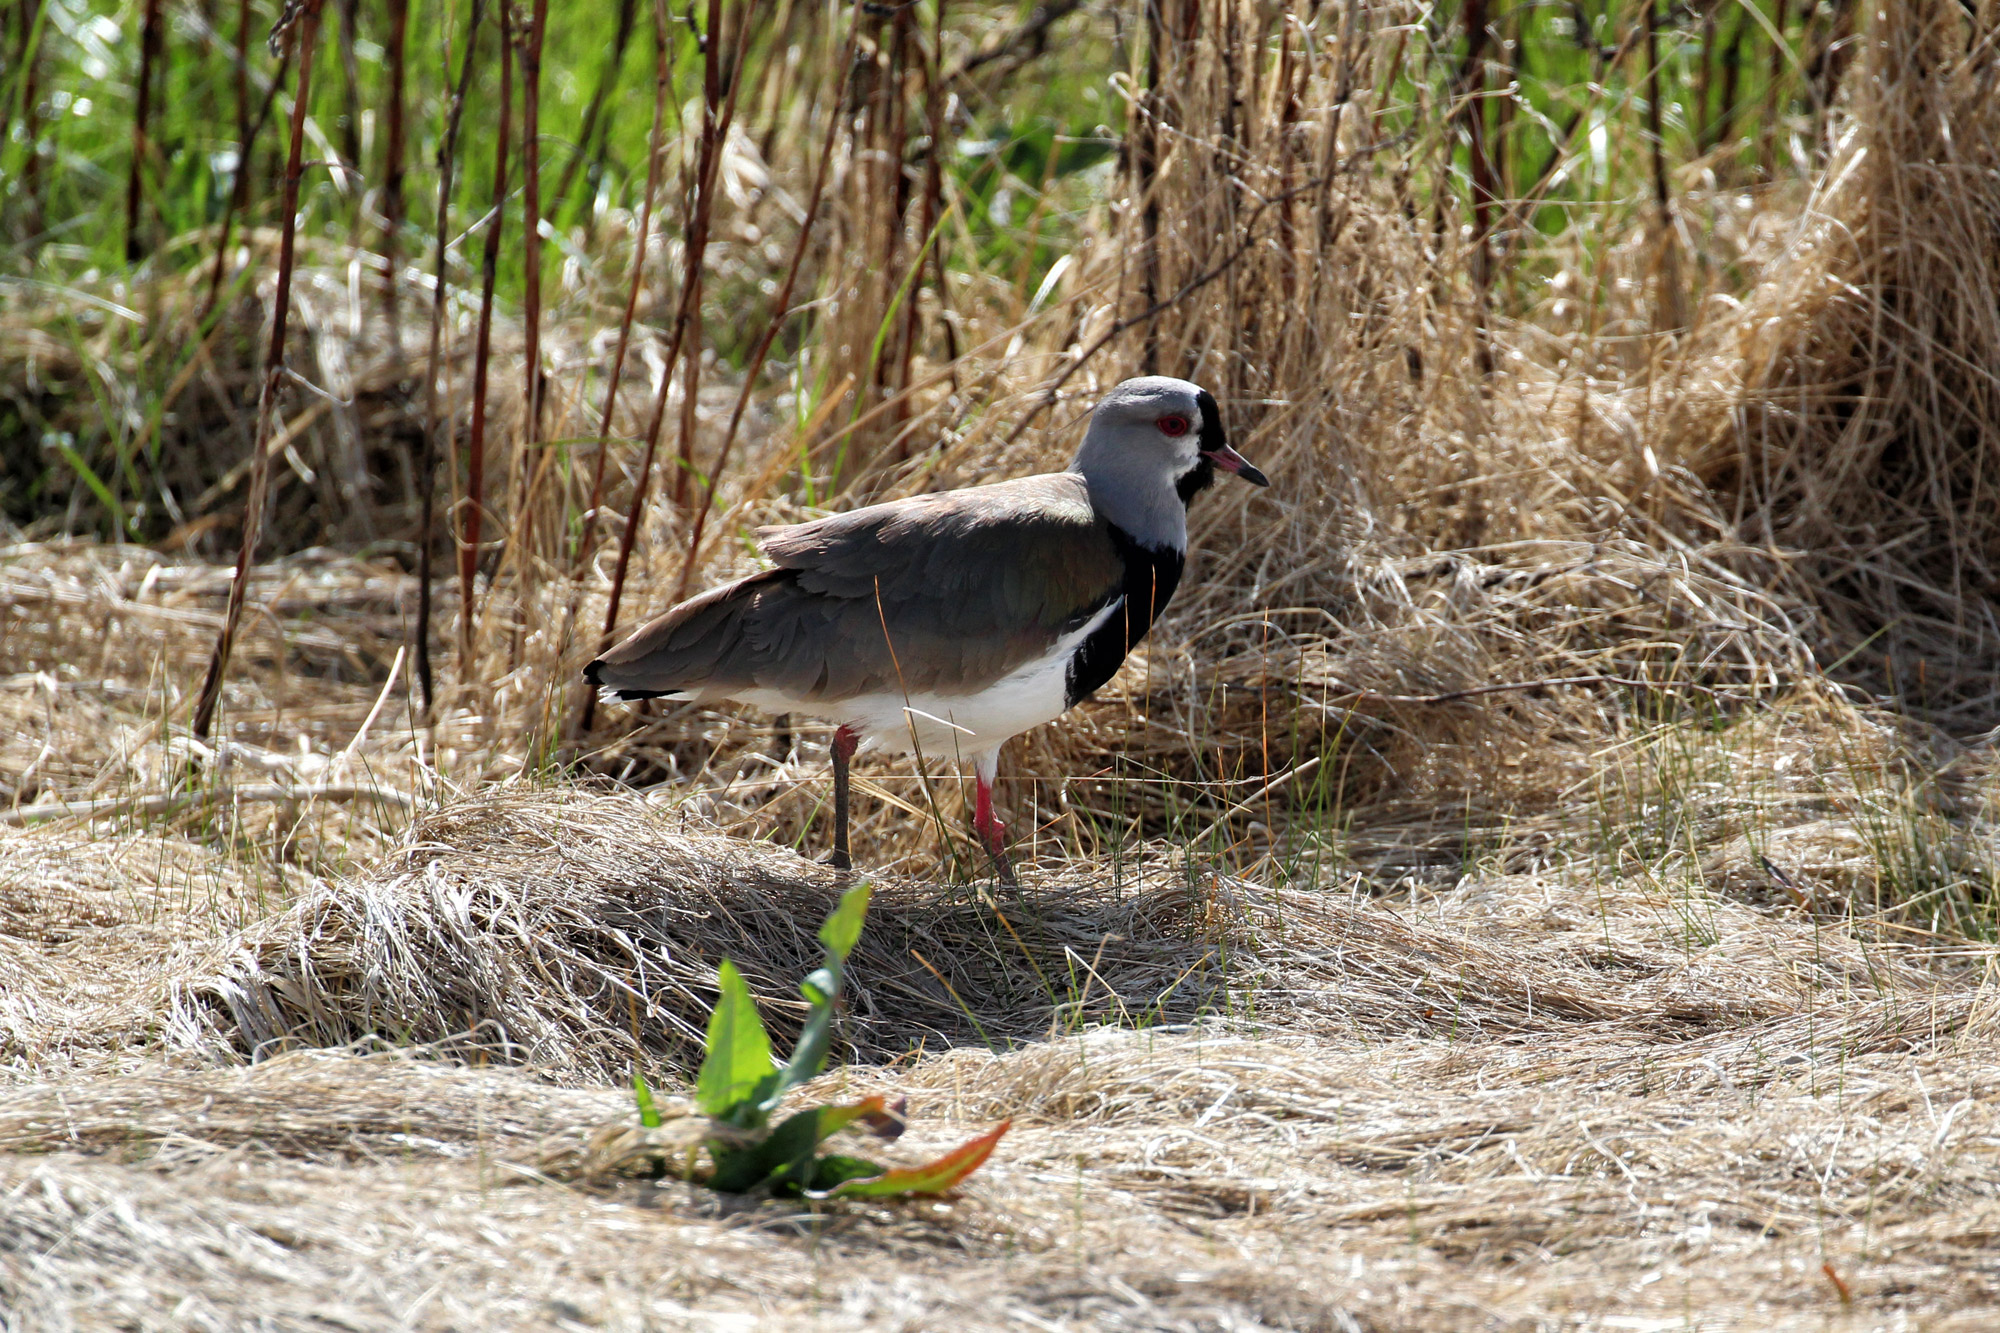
(993, 833)
(838, 860)
(1003, 867)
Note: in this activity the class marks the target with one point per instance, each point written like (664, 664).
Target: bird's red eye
(1172, 425)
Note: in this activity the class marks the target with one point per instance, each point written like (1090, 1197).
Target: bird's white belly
(952, 725)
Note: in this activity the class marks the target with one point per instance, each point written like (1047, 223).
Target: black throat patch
(1202, 475)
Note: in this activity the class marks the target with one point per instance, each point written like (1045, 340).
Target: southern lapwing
(952, 622)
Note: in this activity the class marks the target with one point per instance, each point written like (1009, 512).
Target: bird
(951, 622)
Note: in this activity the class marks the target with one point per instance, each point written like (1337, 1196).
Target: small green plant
(740, 1086)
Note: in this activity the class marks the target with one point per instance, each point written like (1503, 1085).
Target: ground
(1524, 1102)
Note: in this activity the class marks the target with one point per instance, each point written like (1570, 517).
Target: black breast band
(1151, 575)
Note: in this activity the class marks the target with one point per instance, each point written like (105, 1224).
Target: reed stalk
(150, 38)
(427, 467)
(304, 37)
(475, 465)
(781, 305)
(718, 108)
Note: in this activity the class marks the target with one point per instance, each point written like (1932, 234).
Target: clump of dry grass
(581, 933)
(1489, 550)
(1854, 423)
(1642, 1097)
(1154, 1179)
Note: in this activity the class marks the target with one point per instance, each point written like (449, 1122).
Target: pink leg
(991, 831)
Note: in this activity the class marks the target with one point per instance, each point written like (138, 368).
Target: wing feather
(938, 593)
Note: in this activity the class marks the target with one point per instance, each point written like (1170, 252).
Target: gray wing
(942, 593)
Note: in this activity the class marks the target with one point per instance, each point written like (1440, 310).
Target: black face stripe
(1212, 437)
(1151, 575)
(1202, 475)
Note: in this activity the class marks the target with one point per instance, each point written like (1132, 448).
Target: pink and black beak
(1215, 447)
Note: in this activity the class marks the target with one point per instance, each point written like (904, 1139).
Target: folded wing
(941, 594)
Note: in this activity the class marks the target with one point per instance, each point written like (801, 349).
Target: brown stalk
(1704, 75)
(350, 66)
(304, 37)
(475, 474)
(135, 179)
(447, 158)
(1670, 305)
(1024, 44)
(247, 130)
(1287, 116)
(524, 486)
(1145, 168)
(1503, 151)
(394, 148)
(1343, 94)
(242, 73)
(933, 194)
(1560, 148)
(1721, 127)
(714, 127)
(1828, 63)
(1189, 288)
(1485, 193)
(716, 115)
(529, 52)
(892, 190)
(773, 87)
(1662, 197)
(586, 539)
(781, 306)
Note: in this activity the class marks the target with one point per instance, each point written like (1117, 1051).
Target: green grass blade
(822, 989)
(649, 1114)
(96, 485)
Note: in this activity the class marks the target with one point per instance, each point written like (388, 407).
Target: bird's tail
(622, 694)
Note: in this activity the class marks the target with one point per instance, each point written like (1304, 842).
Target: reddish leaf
(888, 1121)
(931, 1178)
(868, 1109)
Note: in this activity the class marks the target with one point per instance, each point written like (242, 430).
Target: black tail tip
(594, 673)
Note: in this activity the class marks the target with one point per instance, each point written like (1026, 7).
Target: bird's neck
(1150, 516)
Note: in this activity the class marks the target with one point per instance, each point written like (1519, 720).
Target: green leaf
(843, 928)
(783, 1157)
(736, 1074)
(930, 1178)
(809, 1056)
(836, 1169)
(821, 984)
(649, 1114)
(104, 496)
(822, 988)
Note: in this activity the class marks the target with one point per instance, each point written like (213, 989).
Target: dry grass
(1528, 1100)
(1541, 875)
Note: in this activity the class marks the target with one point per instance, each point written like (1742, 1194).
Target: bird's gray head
(1154, 444)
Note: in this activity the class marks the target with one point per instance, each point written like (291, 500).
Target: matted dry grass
(1532, 1101)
